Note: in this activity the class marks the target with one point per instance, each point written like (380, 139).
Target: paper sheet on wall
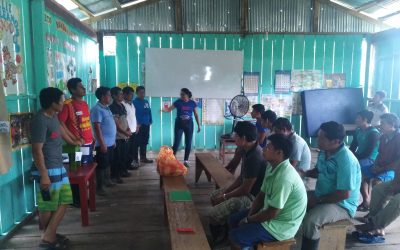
(213, 112)
(252, 100)
(305, 80)
(5, 143)
(11, 51)
(227, 110)
(250, 83)
(336, 80)
(282, 81)
(20, 129)
(281, 105)
(297, 108)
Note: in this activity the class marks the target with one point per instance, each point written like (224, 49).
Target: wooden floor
(131, 217)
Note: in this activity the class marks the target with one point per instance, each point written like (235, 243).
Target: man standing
(300, 157)
(54, 191)
(377, 106)
(338, 184)
(239, 195)
(279, 208)
(105, 132)
(128, 93)
(120, 159)
(144, 119)
(75, 119)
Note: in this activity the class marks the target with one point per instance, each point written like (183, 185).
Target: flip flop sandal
(62, 238)
(362, 208)
(371, 239)
(52, 245)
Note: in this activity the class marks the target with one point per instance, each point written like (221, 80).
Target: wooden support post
(244, 16)
(178, 15)
(316, 15)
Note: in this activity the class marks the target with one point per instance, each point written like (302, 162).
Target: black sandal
(57, 245)
(62, 239)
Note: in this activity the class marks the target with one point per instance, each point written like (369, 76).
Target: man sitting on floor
(240, 193)
(280, 206)
(300, 157)
(262, 133)
(338, 184)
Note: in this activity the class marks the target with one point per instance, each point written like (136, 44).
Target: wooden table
(84, 175)
(224, 143)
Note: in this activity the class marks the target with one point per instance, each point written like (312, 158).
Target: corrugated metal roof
(280, 15)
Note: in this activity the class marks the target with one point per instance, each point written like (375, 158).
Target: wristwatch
(224, 196)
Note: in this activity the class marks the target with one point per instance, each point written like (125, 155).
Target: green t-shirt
(284, 190)
(362, 139)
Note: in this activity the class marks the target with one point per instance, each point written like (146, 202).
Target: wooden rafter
(83, 8)
(117, 4)
(178, 15)
(118, 11)
(369, 5)
(389, 15)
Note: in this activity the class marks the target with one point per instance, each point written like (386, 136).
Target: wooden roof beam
(118, 11)
(389, 15)
(117, 4)
(369, 5)
(83, 8)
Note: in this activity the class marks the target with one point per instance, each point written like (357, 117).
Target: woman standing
(185, 107)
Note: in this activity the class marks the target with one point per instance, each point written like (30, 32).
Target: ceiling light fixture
(105, 12)
(132, 3)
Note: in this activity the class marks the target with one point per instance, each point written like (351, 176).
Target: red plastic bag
(168, 165)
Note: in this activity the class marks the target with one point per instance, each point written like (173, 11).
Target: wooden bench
(213, 168)
(277, 245)
(333, 235)
(182, 215)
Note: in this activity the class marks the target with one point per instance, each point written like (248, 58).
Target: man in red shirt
(75, 119)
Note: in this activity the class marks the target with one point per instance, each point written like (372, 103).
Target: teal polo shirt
(341, 171)
(284, 189)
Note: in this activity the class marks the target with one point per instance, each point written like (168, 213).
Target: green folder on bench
(180, 195)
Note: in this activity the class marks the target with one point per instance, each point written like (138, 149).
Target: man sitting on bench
(300, 157)
(262, 133)
(279, 208)
(241, 192)
(338, 184)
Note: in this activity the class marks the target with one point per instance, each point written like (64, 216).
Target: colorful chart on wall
(213, 112)
(250, 83)
(282, 81)
(281, 105)
(305, 80)
(20, 129)
(11, 58)
(337, 80)
(5, 143)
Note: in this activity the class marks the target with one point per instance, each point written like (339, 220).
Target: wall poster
(20, 129)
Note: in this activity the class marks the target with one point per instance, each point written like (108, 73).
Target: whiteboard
(207, 73)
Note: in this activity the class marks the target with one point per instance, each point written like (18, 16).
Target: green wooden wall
(386, 73)
(262, 53)
(17, 198)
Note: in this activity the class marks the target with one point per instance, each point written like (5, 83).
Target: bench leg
(199, 170)
(84, 203)
(92, 194)
(208, 176)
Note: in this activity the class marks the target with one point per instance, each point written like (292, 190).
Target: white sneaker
(186, 164)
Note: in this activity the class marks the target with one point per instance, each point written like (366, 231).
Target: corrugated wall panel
(211, 15)
(335, 20)
(280, 16)
(262, 53)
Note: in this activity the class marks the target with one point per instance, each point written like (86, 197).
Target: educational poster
(125, 84)
(337, 80)
(281, 105)
(61, 70)
(297, 108)
(166, 104)
(282, 81)
(305, 80)
(250, 83)
(71, 67)
(20, 129)
(5, 143)
(50, 68)
(227, 110)
(11, 56)
(213, 112)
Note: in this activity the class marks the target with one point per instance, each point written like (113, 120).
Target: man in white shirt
(377, 106)
(128, 93)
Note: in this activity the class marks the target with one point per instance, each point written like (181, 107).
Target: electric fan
(238, 107)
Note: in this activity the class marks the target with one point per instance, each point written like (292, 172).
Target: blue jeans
(247, 235)
(183, 127)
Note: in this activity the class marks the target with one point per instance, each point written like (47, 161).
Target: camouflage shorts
(220, 213)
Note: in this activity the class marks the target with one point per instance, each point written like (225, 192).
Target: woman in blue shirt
(185, 107)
